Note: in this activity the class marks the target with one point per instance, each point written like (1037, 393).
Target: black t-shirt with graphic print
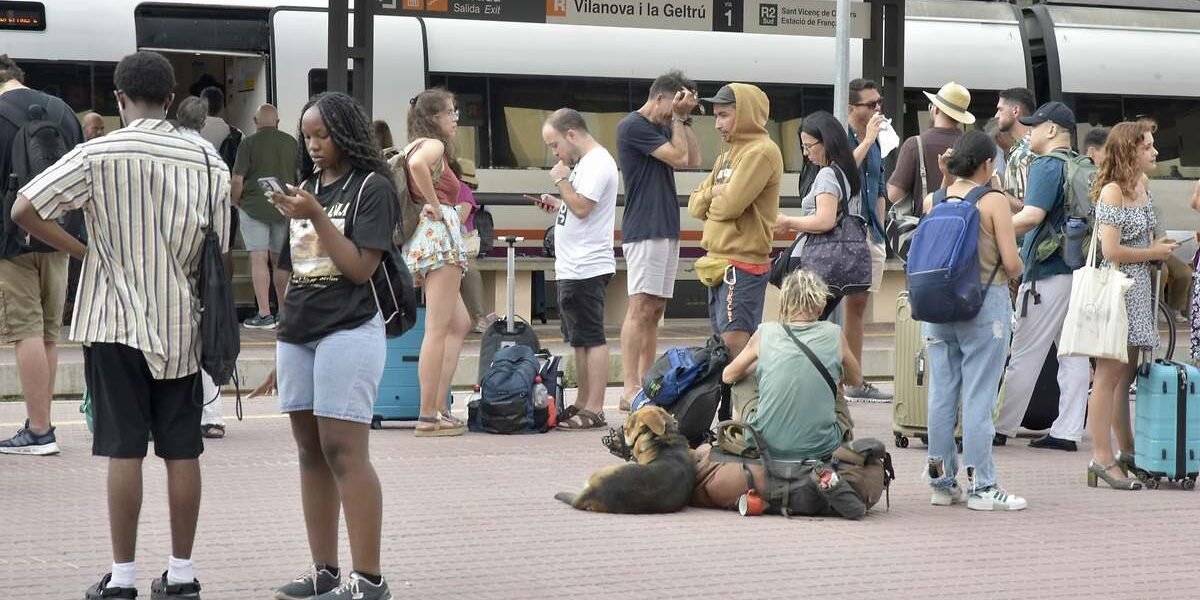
(320, 300)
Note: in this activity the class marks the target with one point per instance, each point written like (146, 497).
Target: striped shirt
(145, 194)
(1016, 169)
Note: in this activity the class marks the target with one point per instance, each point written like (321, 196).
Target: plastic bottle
(1076, 234)
(540, 394)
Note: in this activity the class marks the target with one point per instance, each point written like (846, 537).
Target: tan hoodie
(738, 222)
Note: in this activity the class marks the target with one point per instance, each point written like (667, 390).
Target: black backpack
(486, 227)
(39, 143)
(506, 394)
(229, 146)
(220, 339)
(697, 406)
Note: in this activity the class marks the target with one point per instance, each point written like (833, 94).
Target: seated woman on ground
(780, 392)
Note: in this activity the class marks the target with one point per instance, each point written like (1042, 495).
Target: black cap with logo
(1055, 112)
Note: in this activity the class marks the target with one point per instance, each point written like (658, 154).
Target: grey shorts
(259, 235)
(337, 376)
(651, 266)
(737, 304)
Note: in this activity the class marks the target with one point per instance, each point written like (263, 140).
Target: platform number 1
(727, 15)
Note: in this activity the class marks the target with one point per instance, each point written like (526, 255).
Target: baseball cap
(723, 96)
(1055, 112)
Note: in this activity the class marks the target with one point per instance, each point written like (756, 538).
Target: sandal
(583, 420)
(438, 428)
(627, 401)
(212, 431)
(568, 412)
(453, 420)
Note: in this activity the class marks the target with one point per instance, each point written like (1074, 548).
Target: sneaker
(317, 581)
(994, 498)
(26, 442)
(161, 590)
(100, 590)
(867, 393)
(948, 496)
(1000, 440)
(356, 588)
(260, 322)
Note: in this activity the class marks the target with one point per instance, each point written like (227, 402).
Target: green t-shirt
(795, 414)
(267, 153)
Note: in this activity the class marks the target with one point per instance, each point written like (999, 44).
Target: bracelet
(559, 180)
(686, 122)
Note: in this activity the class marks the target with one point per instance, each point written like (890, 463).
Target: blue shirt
(1044, 190)
(871, 172)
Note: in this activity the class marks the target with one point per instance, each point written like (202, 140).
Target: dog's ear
(656, 420)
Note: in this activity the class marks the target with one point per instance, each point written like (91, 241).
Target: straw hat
(953, 99)
(468, 171)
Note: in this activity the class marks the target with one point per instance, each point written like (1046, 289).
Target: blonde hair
(804, 294)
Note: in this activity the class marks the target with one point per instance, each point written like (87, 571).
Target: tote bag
(1097, 325)
(839, 256)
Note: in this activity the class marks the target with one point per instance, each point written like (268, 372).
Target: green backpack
(1080, 173)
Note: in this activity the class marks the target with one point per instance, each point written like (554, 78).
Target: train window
(502, 116)
(318, 82)
(83, 86)
(1177, 119)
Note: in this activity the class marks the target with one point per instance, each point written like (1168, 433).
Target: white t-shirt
(583, 248)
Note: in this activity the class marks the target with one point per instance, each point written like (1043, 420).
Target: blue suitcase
(1167, 425)
(399, 397)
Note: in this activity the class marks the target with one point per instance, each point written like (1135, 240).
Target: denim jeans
(966, 362)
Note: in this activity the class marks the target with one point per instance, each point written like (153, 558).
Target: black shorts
(129, 404)
(581, 310)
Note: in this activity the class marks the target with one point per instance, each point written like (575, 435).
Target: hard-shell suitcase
(508, 331)
(910, 401)
(399, 397)
(1167, 422)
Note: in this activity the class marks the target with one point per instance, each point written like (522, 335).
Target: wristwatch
(559, 180)
(686, 122)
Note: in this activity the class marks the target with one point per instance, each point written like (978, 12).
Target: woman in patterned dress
(1124, 225)
(436, 255)
(1195, 303)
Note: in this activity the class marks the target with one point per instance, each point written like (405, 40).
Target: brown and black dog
(660, 478)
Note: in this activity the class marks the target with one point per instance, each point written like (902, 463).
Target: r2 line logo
(768, 15)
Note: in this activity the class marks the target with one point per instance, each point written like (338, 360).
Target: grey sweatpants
(1033, 335)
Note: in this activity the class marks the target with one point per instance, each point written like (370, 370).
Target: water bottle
(541, 397)
(1076, 234)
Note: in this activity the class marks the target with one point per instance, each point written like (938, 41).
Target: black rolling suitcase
(508, 331)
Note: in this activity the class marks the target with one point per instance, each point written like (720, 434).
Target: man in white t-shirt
(586, 180)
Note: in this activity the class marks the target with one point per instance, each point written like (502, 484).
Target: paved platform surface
(474, 517)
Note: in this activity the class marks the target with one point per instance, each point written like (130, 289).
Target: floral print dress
(1136, 224)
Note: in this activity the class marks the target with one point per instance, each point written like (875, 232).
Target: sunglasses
(875, 104)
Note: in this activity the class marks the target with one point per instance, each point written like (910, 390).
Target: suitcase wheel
(901, 440)
(1151, 483)
(1188, 484)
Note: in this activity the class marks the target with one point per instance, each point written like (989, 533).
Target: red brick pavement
(474, 517)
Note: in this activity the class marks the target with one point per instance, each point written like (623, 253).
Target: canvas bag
(1097, 325)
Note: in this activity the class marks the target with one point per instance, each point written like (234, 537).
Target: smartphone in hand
(271, 185)
(546, 206)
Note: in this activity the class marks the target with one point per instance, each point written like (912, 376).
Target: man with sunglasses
(866, 118)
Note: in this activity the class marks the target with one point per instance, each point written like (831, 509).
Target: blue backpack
(943, 261)
(506, 393)
(673, 374)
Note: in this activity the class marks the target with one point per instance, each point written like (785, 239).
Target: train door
(299, 60)
(241, 76)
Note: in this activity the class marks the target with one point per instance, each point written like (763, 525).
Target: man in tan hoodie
(738, 202)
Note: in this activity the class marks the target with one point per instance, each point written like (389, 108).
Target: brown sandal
(582, 420)
(439, 428)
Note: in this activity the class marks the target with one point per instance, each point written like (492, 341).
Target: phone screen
(271, 185)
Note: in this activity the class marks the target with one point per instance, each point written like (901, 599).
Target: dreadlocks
(351, 131)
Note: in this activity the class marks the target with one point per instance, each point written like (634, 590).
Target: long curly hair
(351, 130)
(422, 116)
(1122, 165)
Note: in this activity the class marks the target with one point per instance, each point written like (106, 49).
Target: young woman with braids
(331, 344)
(436, 255)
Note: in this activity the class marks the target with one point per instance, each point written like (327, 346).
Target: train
(1109, 60)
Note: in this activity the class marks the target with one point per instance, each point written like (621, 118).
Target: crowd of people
(157, 185)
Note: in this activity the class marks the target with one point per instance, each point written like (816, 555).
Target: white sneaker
(948, 496)
(994, 498)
